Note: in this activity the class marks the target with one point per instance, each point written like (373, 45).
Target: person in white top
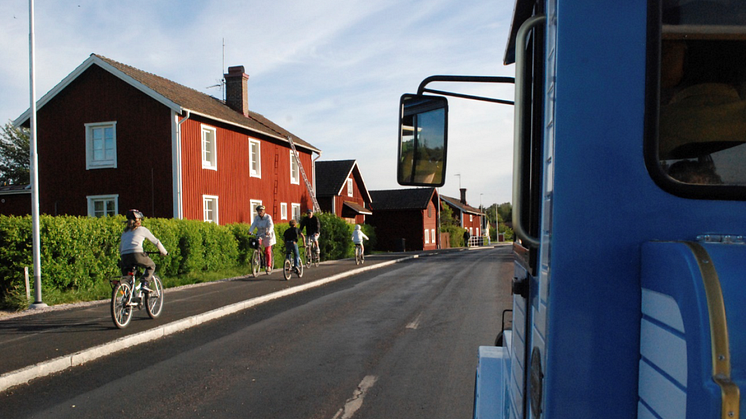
(358, 236)
(130, 246)
(265, 232)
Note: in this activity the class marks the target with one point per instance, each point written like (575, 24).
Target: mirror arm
(466, 79)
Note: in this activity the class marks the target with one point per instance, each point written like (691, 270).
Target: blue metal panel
(671, 269)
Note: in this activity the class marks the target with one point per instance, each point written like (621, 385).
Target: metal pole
(36, 240)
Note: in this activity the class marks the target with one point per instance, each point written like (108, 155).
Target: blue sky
(330, 71)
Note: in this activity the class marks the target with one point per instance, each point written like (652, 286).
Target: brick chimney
(463, 195)
(237, 89)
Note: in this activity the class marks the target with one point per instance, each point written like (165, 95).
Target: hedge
(81, 254)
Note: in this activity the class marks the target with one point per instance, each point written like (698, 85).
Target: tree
(447, 218)
(505, 210)
(14, 155)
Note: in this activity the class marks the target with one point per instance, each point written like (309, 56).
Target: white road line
(415, 323)
(356, 401)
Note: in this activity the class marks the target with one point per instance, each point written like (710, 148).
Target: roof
(401, 199)
(357, 208)
(175, 96)
(15, 189)
(456, 203)
(331, 177)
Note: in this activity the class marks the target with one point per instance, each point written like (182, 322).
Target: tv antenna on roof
(221, 81)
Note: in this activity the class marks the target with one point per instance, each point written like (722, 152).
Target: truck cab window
(702, 95)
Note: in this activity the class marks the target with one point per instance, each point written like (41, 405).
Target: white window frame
(427, 236)
(93, 199)
(255, 165)
(350, 189)
(294, 177)
(210, 215)
(91, 162)
(432, 234)
(209, 161)
(296, 211)
(283, 210)
(254, 203)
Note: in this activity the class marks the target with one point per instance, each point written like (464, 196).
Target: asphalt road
(396, 342)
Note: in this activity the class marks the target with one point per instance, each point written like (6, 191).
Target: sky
(329, 71)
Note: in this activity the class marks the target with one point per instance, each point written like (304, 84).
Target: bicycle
(359, 257)
(288, 268)
(312, 253)
(258, 260)
(127, 294)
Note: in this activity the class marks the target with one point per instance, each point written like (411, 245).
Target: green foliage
(456, 233)
(447, 219)
(14, 155)
(335, 240)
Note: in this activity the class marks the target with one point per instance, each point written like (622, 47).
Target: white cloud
(330, 71)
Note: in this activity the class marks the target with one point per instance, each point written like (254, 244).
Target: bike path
(40, 342)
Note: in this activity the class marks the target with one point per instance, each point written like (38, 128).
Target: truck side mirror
(423, 140)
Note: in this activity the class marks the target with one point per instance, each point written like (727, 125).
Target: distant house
(468, 217)
(112, 137)
(15, 200)
(405, 219)
(341, 190)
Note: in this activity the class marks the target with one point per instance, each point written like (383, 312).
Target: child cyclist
(131, 250)
(357, 238)
(292, 234)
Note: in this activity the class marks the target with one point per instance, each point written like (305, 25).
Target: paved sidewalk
(40, 342)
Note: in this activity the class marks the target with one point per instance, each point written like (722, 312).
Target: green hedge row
(81, 254)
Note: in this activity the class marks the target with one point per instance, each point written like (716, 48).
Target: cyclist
(292, 234)
(130, 247)
(265, 231)
(313, 229)
(357, 238)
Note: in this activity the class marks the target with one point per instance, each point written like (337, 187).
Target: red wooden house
(341, 190)
(468, 217)
(111, 137)
(405, 219)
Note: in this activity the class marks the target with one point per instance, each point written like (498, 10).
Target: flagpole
(36, 240)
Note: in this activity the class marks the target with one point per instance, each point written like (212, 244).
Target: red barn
(405, 219)
(468, 217)
(341, 190)
(111, 137)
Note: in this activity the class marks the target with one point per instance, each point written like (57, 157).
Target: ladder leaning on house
(316, 207)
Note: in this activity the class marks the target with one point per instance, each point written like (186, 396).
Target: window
(427, 236)
(296, 211)
(101, 145)
(255, 158)
(700, 143)
(209, 148)
(432, 234)
(471, 218)
(210, 208)
(284, 211)
(103, 205)
(294, 169)
(254, 203)
(349, 187)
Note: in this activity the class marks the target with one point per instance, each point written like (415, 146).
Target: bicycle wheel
(154, 298)
(358, 256)
(287, 269)
(121, 312)
(256, 263)
(309, 251)
(300, 271)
